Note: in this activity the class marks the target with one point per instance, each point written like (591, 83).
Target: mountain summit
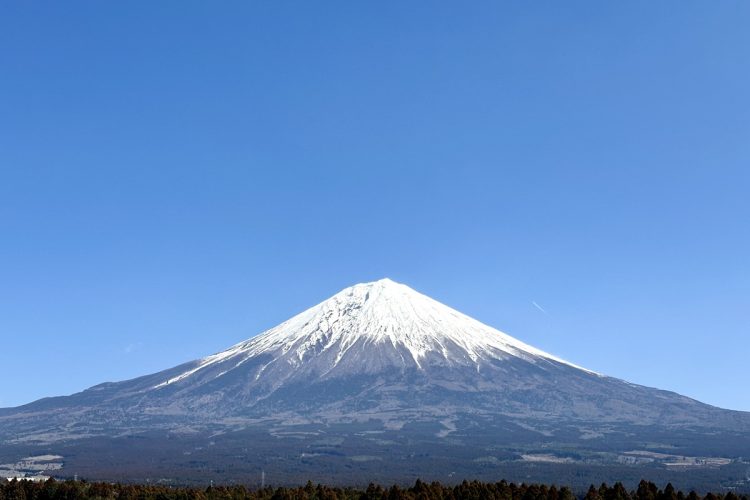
(366, 329)
(378, 365)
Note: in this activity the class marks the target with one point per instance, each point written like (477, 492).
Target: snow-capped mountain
(384, 358)
(368, 328)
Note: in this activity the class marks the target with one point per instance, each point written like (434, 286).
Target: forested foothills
(475, 490)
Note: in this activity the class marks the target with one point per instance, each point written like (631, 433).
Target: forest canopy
(474, 490)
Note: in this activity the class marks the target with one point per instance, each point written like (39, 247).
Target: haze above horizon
(173, 181)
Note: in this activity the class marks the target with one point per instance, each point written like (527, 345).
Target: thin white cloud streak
(539, 307)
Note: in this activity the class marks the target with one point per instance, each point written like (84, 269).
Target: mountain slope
(383, 356)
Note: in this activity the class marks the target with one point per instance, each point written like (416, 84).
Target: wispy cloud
(132, 347)
(533, 302)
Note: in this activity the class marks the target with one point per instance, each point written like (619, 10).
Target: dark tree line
(474, 490)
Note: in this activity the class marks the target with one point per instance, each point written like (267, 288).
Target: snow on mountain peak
(371, 327)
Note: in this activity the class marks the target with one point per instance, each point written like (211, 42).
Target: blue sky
(178, 176)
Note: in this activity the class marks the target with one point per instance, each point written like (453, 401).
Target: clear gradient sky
(178, 176)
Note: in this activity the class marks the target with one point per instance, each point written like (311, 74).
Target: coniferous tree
(15, 490)
(617, 492)
(646, 491)
(592, 494)
(372, 492)
(566, 494)
(668, 493)
(394, 493)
